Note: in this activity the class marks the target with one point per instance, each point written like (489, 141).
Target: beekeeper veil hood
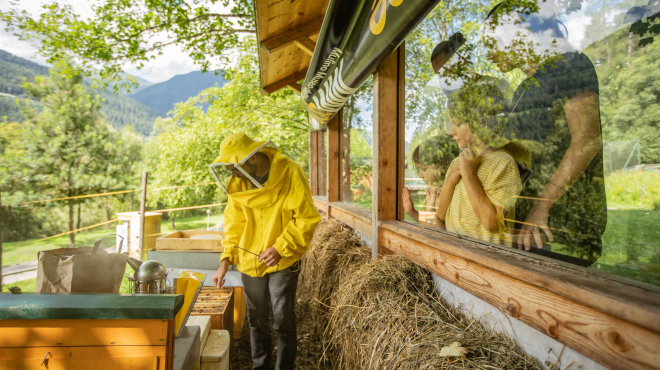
(233, 163)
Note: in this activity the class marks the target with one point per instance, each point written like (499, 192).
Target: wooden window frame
(612, 320)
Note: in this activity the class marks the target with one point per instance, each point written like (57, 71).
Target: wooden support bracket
(284, 82)
(306, 44)
(295, 87)
(277, 42)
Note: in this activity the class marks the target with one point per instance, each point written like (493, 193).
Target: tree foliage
(128, 32)
(65, 149)
(187, 148)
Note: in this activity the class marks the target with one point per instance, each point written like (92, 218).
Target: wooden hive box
(181, 241)
(219, 305)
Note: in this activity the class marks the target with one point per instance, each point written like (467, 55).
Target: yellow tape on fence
(114, 193)
(80, 197)
(66, 233)
(184, 208)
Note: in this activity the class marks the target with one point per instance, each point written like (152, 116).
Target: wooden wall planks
(279, 24)
(612, 342)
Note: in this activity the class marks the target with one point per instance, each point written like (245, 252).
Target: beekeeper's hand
(219, 276)
(270, 257)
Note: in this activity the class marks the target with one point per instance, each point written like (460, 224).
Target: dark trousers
(279, 290)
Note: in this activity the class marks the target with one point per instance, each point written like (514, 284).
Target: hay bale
(387, 315)
(335, 251)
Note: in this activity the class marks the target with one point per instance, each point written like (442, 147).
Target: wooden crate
(219, 305)
(180, 241)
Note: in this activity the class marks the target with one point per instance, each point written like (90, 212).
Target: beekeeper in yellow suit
(269, 222)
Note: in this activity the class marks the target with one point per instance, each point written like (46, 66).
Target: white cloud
(174, 61)
(577, 24)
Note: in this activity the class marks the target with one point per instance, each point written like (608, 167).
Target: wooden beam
(613, 342)
(285, 81)
(628, 300)
(295, 87)
(333, 158)
(313, 162)
(320, 204)
(306, 44)
(321, 166)
(357, 218)
(277, 42)
(386, 137)
(401, 148)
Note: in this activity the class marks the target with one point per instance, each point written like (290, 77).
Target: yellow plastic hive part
(187, 283)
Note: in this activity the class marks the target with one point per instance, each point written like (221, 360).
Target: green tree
(192, 142)
(66, 149)
(133, 32)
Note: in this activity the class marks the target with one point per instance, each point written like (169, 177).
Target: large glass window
(355, 146)
(536, 125)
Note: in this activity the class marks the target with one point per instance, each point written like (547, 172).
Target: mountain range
(138, 108)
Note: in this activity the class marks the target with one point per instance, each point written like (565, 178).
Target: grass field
(29, 252)
(13, 252)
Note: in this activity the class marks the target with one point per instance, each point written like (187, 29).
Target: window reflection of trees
(356, 147)
(619, 37)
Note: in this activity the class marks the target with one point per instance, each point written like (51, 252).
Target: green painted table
(44, 306)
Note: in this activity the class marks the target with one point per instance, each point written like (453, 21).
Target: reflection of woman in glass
(482, 184)
(557, 106)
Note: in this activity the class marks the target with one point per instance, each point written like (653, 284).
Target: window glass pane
(536, 125)
(356, 155)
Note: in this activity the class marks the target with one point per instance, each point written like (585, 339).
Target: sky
(173, 61)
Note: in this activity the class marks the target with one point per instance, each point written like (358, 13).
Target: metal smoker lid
(151, 270)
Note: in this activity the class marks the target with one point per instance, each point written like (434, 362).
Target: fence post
(143, 204)
(1, 241)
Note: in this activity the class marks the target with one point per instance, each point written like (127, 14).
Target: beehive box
(219, 305)
(181, 241)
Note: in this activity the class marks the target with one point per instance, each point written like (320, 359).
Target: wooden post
(1, 242)
(143, 205)
(321, 166)
(386, 136)
(313, 162)
(333, 158)
(401, 148)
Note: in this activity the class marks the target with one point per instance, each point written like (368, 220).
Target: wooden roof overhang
(287, 31)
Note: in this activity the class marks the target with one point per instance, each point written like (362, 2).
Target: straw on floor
(386, 314)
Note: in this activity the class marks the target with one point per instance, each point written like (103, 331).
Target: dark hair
(445, 50)
(536, 23)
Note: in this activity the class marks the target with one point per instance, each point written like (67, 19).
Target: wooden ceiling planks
(282, 60)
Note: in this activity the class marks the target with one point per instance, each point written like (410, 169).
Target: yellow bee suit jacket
(281, 215)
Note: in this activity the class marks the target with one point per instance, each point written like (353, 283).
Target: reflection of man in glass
(482, 184)
(557, 106)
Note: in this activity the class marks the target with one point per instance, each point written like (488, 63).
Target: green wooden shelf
(34, 306)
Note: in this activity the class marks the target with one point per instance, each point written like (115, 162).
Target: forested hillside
(629, 92)
(118, 110)
(162, 96)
